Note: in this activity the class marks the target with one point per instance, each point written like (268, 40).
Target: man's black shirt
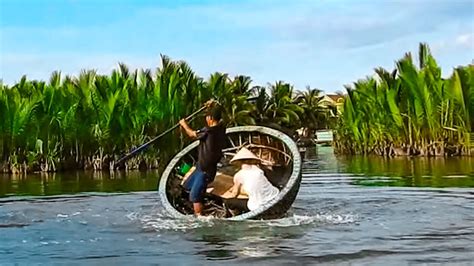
(212, 141)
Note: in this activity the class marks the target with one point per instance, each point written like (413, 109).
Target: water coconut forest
(90, 120)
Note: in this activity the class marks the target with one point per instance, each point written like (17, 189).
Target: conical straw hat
(244, 154)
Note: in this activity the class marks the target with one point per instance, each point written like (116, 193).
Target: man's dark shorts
(196, 184)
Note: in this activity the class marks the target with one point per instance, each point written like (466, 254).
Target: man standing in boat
(212, 140)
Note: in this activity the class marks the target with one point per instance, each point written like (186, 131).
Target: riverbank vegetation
(411, 110)
(89, 121)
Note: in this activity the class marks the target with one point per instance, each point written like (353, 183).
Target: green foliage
(411, 107)
(90, 120)
(314, 115)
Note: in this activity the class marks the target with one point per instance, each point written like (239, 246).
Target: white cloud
(37, 66)
(454, 43)
(465, 40)
(319, 43)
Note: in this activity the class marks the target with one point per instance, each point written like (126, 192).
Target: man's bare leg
(197, 208)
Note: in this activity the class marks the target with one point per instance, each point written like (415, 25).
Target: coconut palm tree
(282, 108)
(314, 116)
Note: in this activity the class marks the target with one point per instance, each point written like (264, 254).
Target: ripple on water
(335, 219)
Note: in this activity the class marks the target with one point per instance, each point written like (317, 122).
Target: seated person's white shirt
(256, 185)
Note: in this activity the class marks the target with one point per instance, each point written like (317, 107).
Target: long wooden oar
(144, 146)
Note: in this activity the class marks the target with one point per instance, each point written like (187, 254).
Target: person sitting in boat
(252, 180)
(212, 140)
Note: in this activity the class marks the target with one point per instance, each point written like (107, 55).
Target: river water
(350, 210)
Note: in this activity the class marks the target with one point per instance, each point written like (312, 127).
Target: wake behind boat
(281, 162)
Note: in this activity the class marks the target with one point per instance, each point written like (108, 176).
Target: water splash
(298, 220)
(160, 222)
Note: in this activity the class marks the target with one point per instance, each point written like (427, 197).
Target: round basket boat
(281, 163)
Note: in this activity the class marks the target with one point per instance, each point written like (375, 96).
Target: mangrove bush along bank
(89, 121)
(409, 111)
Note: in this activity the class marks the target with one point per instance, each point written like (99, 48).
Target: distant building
(333, 102)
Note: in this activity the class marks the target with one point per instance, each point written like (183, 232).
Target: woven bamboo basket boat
(281, 162)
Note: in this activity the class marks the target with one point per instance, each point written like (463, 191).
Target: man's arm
(189, 131)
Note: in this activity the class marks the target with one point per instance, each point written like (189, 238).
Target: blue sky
(323, 44)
